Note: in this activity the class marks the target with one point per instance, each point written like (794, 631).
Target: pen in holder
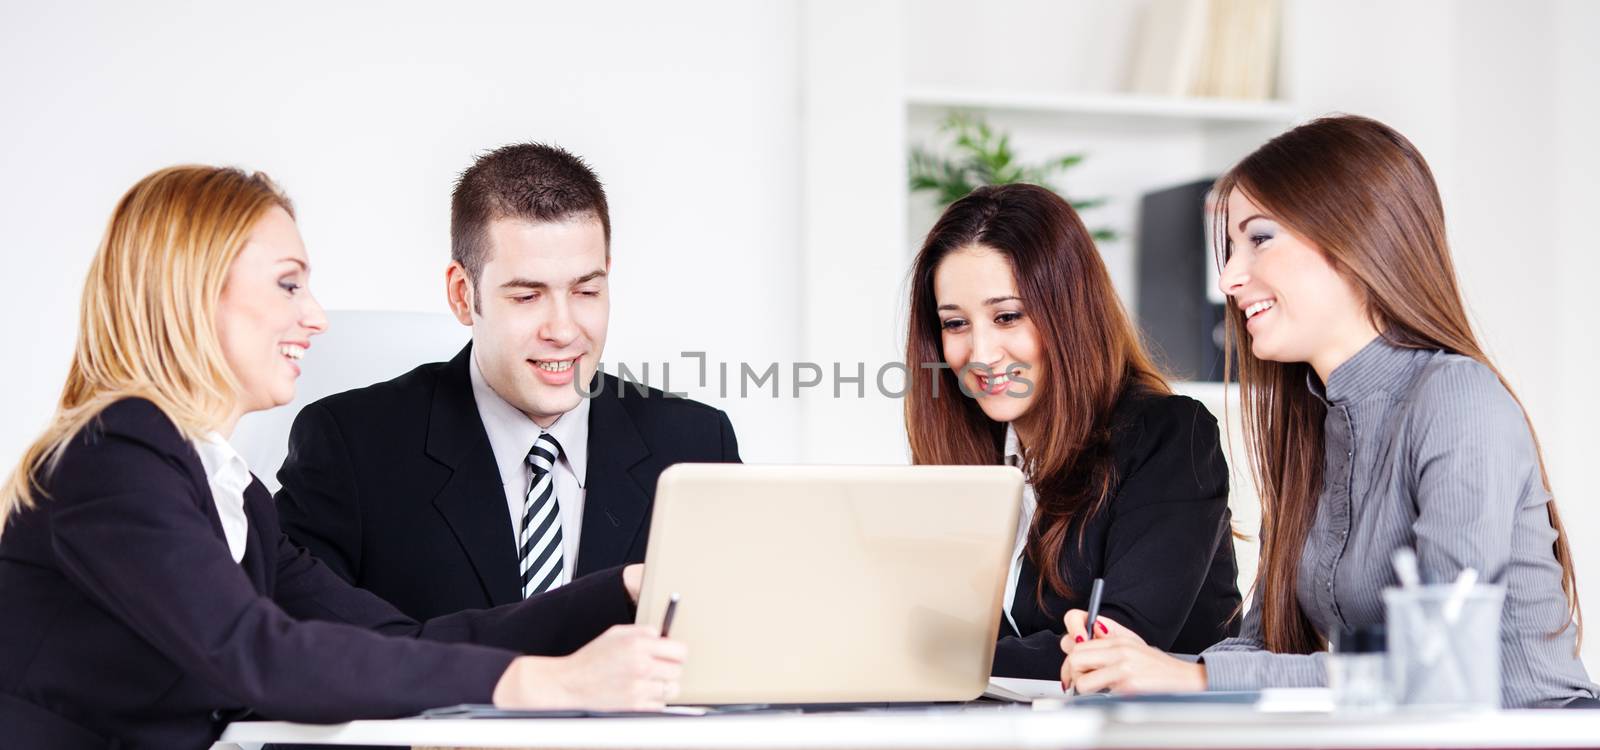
(1444, 644)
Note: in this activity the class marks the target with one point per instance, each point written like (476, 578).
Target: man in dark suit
(516, 466)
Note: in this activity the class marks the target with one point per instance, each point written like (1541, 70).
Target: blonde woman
(148, 594)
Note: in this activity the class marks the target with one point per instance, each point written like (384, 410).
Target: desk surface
(971, 728)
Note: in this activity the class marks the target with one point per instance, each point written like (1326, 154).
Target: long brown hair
(1092, 356)
(1363, 195)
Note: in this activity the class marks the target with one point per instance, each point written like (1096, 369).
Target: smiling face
(540, 327)
(986, 334)
(1297, 307)
(266, 315)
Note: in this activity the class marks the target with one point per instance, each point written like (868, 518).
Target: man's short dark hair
(527, 181)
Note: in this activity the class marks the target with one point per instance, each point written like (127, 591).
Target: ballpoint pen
(672, 609)
(1095, 591)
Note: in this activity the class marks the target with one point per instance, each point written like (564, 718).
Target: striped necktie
(539, 544)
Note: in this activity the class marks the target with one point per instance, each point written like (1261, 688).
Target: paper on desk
(1295, 700)
(1020, 690)
(1272, 700)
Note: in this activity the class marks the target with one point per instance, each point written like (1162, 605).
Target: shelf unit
(1192, 111)
(1135, 144)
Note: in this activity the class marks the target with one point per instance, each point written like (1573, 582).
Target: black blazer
(127, 624)
(394, 486)
(1163, 544)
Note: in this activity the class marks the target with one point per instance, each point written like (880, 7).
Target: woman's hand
(1118, 660)
(633, 580)
(629, 667)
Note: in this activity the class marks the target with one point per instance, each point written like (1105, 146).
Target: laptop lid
(832, 584)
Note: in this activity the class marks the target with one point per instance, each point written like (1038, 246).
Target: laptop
(832, 584)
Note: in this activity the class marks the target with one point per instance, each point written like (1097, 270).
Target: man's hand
(633, 580)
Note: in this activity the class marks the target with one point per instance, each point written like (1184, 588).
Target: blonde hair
(148, 311)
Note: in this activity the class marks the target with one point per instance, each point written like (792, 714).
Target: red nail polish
(1080, 638)
(1102, 628)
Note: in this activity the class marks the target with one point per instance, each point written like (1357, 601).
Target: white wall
(853, 290)
(1575, 268)
(365, 112)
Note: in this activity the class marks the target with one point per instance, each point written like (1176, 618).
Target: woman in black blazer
(1020, 352)
(147, 594)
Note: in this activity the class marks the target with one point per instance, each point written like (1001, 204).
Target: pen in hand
(1095, 591)
(672, 609)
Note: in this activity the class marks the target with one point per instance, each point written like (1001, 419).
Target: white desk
(978, 728)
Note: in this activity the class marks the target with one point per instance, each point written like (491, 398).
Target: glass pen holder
(1444, 646)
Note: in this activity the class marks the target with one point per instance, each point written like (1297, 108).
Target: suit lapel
(616, 498)
(471, 501)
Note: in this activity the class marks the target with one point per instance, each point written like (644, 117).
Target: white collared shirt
(228, 476)
(511, 436)
(1030, 502)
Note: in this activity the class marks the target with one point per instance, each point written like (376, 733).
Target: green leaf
(977, 154)
(1065, 162)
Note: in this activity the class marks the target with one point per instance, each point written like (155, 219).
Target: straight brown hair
(1092, 356)
(1363, 195)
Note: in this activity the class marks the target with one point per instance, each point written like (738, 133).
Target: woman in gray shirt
(1374, 421)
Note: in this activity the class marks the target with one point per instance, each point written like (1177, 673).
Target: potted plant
(977, 156)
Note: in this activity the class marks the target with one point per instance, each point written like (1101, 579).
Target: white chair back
(360, 347)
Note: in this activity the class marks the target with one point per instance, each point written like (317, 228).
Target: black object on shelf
(1181, 326)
